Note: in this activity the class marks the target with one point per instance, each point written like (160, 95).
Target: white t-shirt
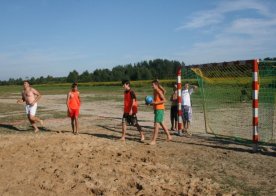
(186, 99)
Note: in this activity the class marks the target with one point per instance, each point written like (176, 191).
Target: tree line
(145, 70)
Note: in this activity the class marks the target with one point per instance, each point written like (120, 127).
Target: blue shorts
(186, 113)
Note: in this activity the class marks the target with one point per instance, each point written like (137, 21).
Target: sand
(96, 162)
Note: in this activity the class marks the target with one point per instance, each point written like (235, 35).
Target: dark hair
(27, 82)
(125, 82)
(74, 85)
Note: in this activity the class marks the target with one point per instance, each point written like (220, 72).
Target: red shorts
(74, 113)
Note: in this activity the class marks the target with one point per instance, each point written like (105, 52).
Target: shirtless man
(30, 96)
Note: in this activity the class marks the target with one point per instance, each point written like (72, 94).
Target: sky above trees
(48, 37)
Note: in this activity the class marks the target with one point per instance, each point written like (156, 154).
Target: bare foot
(36, 130)
(122, 139)
(169, 139)
(142, 138)
(152, 143)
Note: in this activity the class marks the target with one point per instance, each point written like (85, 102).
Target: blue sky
(54, 37)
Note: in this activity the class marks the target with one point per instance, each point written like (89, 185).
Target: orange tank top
(157, 98)
(74, 102)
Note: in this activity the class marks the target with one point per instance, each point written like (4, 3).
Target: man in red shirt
(130, 110)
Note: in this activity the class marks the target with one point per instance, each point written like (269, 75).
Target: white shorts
(31, 109)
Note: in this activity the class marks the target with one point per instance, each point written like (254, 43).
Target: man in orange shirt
(73, 105)
(130, 110)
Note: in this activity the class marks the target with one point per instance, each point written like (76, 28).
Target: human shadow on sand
(119, 118)
(219, 142)
(14, 128)
(114, 137)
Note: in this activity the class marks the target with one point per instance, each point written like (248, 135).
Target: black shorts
(130, 119)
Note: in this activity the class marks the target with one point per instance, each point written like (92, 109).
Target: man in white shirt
(187, 106)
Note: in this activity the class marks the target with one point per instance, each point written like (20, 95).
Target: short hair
(27, 81)
(74, 85)
(125, 82)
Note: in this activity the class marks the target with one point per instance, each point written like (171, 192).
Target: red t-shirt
(130, 96)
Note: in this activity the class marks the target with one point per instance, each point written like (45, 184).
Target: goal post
(230, 93)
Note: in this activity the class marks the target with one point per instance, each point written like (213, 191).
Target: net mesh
(224, 106)
(267, 101)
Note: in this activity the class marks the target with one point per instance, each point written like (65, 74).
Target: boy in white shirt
(187, 106)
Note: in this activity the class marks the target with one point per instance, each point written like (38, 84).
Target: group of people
(30, 96)
(186, 107)
(131, 108)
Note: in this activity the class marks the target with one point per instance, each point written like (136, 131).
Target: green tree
(85, 77)
(73, 76)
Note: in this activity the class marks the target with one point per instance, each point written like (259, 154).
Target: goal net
(226, 98)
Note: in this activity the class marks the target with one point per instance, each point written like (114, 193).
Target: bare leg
(73, 125)
(185, 125)
(155, 134)
(33, 120)
(77, 125)
(169, 137)
(142, 137)
(188, 126)
(36, 119)
(123, 131)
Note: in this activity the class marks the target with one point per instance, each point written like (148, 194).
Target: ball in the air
(148, 99)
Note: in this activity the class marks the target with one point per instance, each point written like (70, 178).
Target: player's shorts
(31, 109)
(130, 119)
(158, 116)
(74, 113)
(186, 113)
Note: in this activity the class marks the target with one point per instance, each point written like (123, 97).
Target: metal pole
(255, 105)
(179, 100)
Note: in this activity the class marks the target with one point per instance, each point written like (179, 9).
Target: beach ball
(148, 99)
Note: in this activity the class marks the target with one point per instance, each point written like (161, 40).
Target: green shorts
(158, 116)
